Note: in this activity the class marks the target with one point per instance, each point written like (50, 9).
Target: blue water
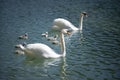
(92, 55)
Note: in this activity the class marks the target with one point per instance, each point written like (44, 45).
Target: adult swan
(61, 23)
(44, 51)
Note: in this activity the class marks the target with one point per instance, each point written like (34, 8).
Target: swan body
(61, 23)
(42, 50)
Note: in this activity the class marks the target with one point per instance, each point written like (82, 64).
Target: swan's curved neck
(63, 48)
(81, 22)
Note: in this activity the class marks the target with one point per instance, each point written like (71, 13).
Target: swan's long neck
(63, 48)
(81, 22)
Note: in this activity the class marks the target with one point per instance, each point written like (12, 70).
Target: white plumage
(60, 23)
(42, 50)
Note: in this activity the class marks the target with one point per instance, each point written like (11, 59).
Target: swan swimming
(61, 23)
(42, 50)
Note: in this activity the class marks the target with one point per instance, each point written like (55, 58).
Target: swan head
(84, 14)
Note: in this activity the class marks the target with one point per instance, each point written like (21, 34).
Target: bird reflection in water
(44, 67)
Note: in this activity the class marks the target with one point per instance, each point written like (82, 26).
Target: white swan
(42, 50)
(61, 23)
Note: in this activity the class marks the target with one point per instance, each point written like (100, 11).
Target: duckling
(23, 44)
(52, 38)
(25, 36)
(19, 52)
(56, 42)
(44, 34)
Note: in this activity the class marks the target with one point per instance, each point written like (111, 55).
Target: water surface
(91, 55)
